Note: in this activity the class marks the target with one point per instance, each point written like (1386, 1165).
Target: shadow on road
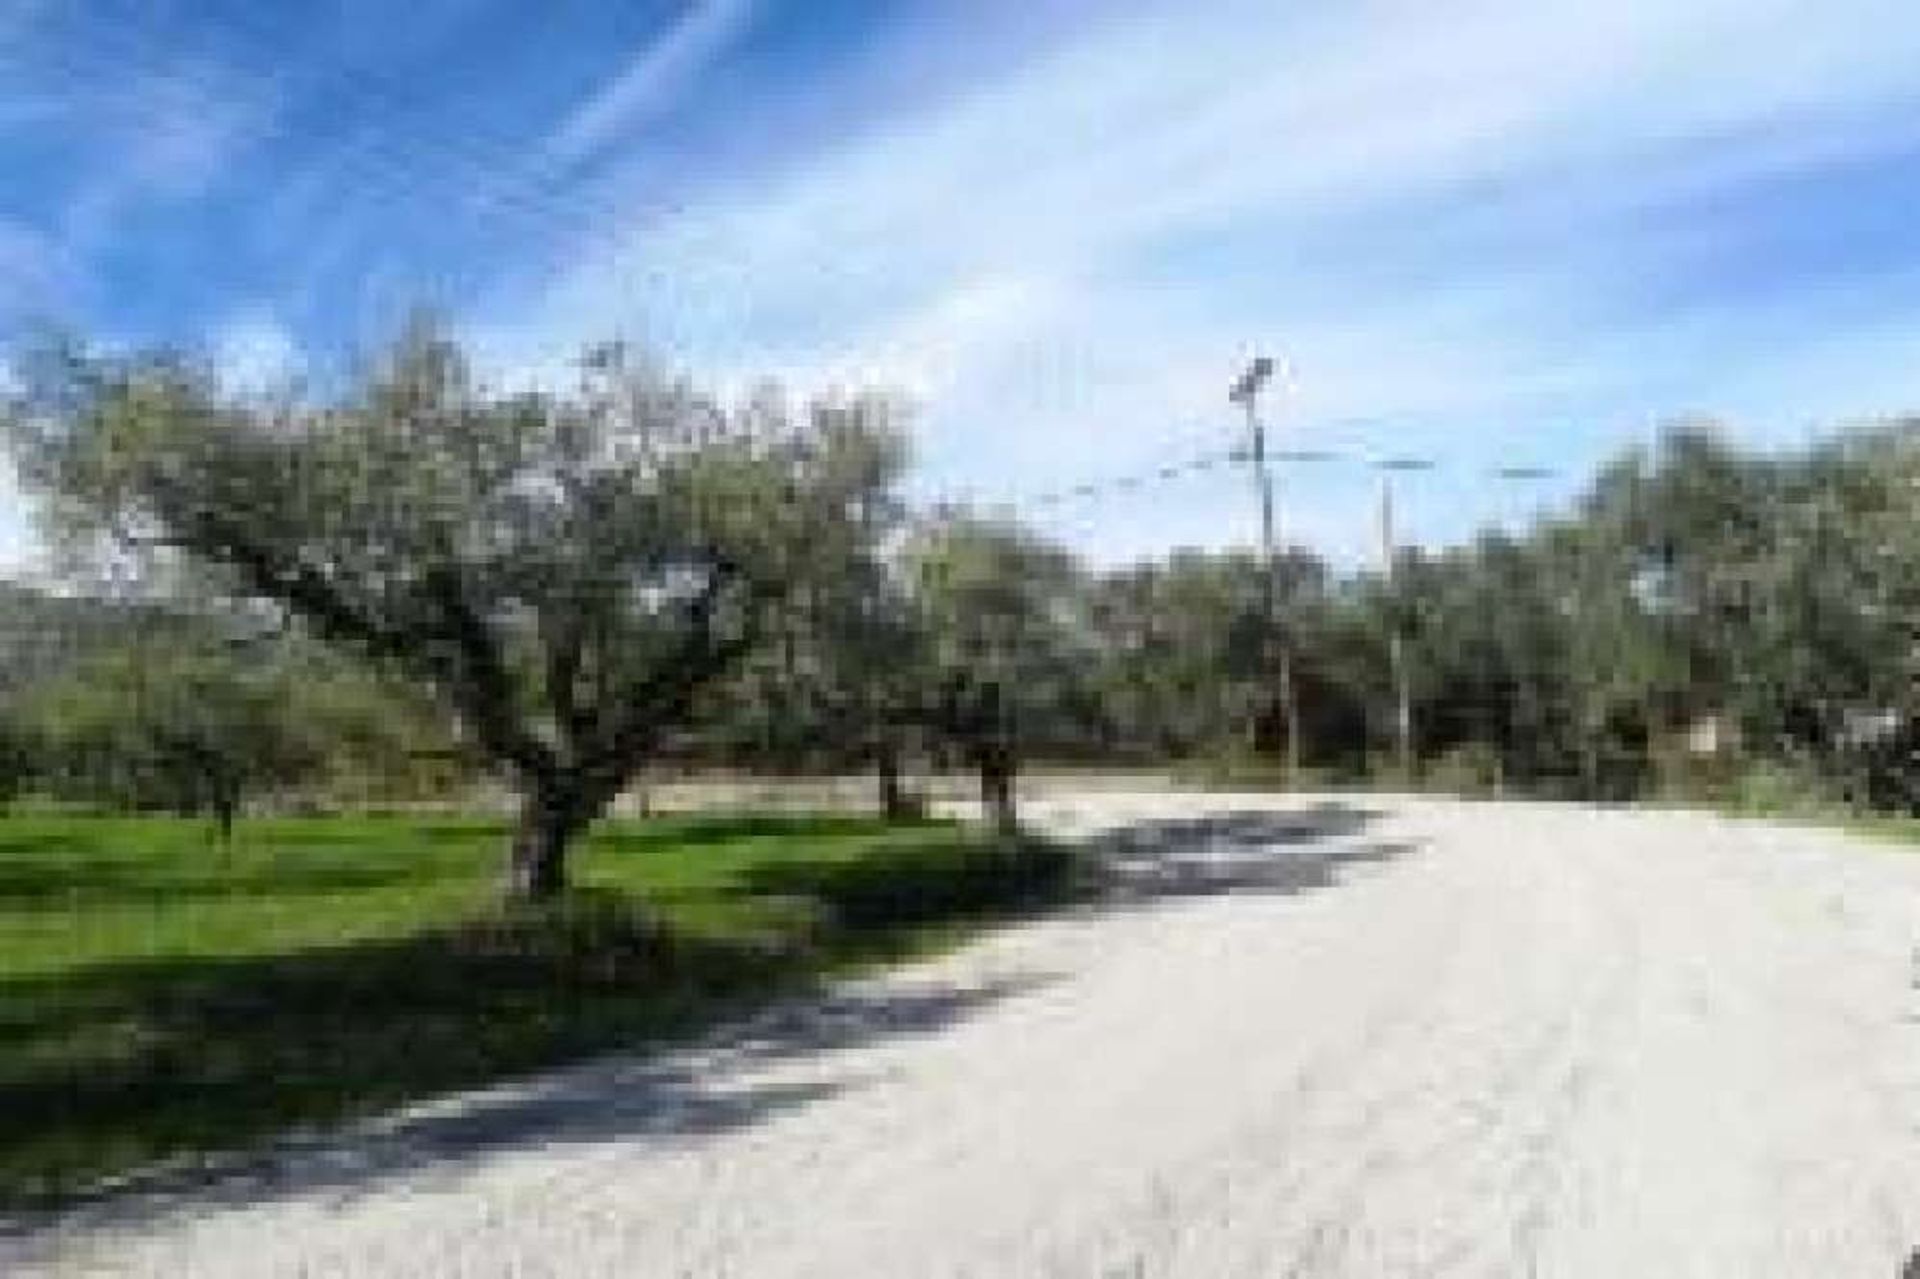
(751, 1072)
(687, 1093)
(1244, 851)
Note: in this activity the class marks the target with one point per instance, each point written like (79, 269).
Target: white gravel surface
(1374, 1038)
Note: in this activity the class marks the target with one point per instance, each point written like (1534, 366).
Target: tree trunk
(997, 790)
(893, 798)
(1290, 706)
(1590, 767)
(537, 857)
(1402, 707)
(224, 812)
(222, 804)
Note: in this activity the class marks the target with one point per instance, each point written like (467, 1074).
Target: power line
(1103, 488)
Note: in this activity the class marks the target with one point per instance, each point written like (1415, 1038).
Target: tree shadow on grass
(118, 1064)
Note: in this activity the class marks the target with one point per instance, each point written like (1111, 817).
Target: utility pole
(1512, 476)
(1396, 637)
(1246, 393)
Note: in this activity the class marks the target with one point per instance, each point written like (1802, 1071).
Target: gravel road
(1347, 1037)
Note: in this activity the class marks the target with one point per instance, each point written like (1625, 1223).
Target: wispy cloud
(650, 81)
(161, 136)
(1468, 220)
(1486, 228)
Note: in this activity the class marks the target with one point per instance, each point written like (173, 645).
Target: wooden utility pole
(1396, 636)
(1512, 475)
(1246, 393)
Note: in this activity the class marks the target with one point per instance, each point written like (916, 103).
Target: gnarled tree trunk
(537, 855)
(997, 772)
(893, 796)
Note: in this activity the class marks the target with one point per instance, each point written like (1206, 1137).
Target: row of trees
(562, 589)
(577, 581)
(1699, 613)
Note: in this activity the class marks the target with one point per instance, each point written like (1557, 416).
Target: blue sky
(1494, 233)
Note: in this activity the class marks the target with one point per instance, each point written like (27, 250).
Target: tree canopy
(584, 580)
(565, 573)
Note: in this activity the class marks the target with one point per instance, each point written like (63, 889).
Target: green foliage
(1471, 768)
(179, 731)
(1008, 645)
(1777, 788)
(43, 636)
(566, 573)
(592, 581)
(1774, 596)
(187, 728)
(19, 757)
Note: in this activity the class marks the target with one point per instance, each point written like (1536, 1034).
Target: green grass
(160, 998)
(1890, 828)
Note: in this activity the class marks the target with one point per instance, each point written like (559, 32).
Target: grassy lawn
(160, 998)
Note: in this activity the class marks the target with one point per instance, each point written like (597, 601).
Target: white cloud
(650, 81)
(255, 354)
(1065, 264)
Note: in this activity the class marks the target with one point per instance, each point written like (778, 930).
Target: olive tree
(565, 572)
(1009, 653)
(191, 728)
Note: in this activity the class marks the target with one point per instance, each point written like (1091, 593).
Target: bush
(1687, 777)
(1471, 768)
(1774, 788)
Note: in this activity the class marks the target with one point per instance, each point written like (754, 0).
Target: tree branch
(482, 685)
(634, 719)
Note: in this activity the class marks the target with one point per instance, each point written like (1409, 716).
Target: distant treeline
(1703, 621)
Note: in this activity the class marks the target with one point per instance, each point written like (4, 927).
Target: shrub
(1471, 768)
(1765, 787)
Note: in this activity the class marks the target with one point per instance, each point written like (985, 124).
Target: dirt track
(1366, 1039)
